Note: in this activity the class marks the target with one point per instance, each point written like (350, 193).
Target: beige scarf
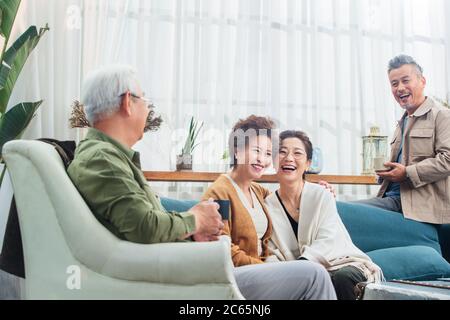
(322, 237)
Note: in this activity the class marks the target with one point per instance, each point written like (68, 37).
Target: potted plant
(14, 121)
(225, 160)
(184, 160)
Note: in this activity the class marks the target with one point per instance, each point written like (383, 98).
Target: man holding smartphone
(417, 183)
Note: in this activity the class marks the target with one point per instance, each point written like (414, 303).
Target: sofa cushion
(372, 228)
(177, 205)
(403, 248)
(418, 263)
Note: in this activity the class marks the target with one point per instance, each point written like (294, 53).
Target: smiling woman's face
(255, 157)
(292, 160)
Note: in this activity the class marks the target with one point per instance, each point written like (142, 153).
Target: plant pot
(184, 162)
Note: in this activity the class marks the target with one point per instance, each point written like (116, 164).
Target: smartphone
(383, 170)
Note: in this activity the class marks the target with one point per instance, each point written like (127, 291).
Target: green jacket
(108, 176)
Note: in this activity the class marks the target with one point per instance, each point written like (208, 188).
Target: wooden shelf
(190, 176)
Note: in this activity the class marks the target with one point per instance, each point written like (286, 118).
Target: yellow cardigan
(240, 227)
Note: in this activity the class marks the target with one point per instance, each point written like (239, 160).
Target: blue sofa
(403, 248)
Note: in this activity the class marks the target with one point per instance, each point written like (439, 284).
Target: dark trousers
(345, 280)
(386, 203)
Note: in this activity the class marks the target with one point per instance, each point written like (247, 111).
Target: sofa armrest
(186, 263)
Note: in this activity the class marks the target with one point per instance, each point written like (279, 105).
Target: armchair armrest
(185, 263)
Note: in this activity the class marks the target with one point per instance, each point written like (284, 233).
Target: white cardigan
(322, 237)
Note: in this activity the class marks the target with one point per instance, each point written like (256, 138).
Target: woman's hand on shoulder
(328, 186)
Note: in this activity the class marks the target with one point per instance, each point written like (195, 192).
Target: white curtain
(52, 72)
(314, 65)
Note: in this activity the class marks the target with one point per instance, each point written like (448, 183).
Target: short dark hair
(303, 137)
(244, 129)
(401, 60)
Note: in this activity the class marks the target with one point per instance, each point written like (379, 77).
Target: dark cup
(224, 209)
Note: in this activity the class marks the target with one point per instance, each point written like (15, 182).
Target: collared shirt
(108, 176)
(393, 190)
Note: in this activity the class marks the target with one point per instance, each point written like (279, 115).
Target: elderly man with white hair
(107, 173)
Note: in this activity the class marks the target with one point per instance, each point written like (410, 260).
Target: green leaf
(191, 127)
(188, 144)
(196, 133)
(225, 155)
(13, 61)
(194, 147)
(193, 132)
(8, 11)
(15, 121)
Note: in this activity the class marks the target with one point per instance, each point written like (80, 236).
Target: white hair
(102, 89)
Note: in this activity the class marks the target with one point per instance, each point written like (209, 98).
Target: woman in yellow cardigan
(250, 226)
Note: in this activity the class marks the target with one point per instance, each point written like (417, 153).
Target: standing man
(418, 184)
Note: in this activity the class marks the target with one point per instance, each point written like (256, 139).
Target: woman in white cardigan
(306, 224)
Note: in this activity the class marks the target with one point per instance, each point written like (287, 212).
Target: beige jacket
(425, 195)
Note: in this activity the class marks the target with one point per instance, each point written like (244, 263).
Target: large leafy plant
(14, 121)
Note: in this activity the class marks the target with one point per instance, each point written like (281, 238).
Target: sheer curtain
(52, 72)
(314, 65)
